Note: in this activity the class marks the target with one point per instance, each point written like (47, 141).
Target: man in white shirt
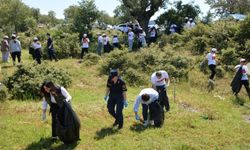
(130, 39)
(99, 44)
(85, 45)
(211, 57)
(149, 99)
(244, 76)
(160, 81)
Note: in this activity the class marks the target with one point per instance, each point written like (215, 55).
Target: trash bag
(235, 84)
(156, 113)
(68, 124)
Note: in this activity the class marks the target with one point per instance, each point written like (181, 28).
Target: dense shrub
(229, 57)
(26, 81)
(220, 72)
(198, 45)
(3, 92)
(133, 77)
(91, 59)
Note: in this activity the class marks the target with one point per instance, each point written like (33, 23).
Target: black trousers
(38, 55)
(213, 72)
(163, 97)
(14, 55)
(53, 110)
(84, 51)
(115, 107)
(155, 112)
(52, 55)
(246, 84)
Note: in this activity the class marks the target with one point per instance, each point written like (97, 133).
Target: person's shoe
(54, 138)
(115, 123)
(145, 124)
(211, 81)
(120, 127)
(151, 122)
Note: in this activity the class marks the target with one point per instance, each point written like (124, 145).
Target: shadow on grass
(105, 132)
(47, 143)
(137, 127)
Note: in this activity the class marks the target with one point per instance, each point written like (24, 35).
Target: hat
(13, 35)
(213, 49)
(242, 60)
(84, 35)
(103, 34)
(35, 39)
(113, 73)
(5, 37)
(190, 19)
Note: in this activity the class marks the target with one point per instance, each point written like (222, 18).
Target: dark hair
(48, 34)
(48, 84)
(145, 97)
(158, 74)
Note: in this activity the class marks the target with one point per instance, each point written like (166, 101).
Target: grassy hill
(197, 119)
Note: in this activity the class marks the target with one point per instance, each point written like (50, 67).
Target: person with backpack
(241, 78)
(116, 97)
(85, 45)
(65, 123)
(152, 112)
(15, 49)
(211, 57)
(36, 45)
(160, 81)
(50, 47)
(5, 49)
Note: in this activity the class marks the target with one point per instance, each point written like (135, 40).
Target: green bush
(26, 80)
(3, 92)
(220, 72)
(91, 59)
(133, 77)
(198, 45)
(229, 57)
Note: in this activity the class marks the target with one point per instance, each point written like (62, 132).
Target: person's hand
(137, 117)
(125, 103)
(106, 98)
(43, 116)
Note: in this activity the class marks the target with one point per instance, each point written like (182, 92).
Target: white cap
(84, 35)
(213, 49)
(13, 35)
(5, 37)
(242, 60)
(190, 18)
(103, 34)
(35, 39)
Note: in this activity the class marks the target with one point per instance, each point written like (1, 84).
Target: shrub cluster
(26, 81)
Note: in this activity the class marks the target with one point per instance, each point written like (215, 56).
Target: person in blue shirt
(116, 97)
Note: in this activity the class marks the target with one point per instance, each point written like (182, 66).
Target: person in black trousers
(116, 97)
(50, 46)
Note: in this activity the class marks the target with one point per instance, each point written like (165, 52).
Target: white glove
(43, 116)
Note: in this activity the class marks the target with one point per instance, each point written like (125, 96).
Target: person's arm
(66, 94)
(167, 81)
(107, 92)
(137, 104)
(44, 108)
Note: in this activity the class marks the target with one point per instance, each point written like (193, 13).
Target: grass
(197, 119)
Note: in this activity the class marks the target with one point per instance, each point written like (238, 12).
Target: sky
(58, 6)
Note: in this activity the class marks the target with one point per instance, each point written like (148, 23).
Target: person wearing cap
(99, 44)
(141, 38)
(116, 97)
(5, 49)
(15, 49)
(106, 44)
(243, 71)
(130, 39)
(36, 45)
(152, 112)
(50, 47)
(160, 81)
(211, 57)
(85, 45)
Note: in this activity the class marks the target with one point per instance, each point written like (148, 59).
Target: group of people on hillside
(241, 77)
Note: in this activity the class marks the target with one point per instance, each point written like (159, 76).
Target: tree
(143, 10)
(105, 19)
(122, 14)
(223, 7)
(177, 15)
(52, 18)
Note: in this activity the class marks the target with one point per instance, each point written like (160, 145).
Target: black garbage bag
(68, 124)
(235, 84)
(156, 113)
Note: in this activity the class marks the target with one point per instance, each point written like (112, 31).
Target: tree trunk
(143, 21)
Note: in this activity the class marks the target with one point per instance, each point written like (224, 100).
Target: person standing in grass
(160, 81)
(36, 45)
(85, 45)
(243, 71)
(152, 112)
(15, 49)
(99, 44)
(50, 47)
(131, 36)
(116, 97)
(5, 49)
(211, 57)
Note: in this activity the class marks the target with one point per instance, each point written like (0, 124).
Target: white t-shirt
(64, 93)
(159, 82)
(115, 40)
(211, 58)
(131, 35)
(85, 42)
(153, 96)
(100, 39)
(105, 40)
(244, 71)
(36, 45)
(153, 33)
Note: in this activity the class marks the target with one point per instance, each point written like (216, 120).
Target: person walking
(211, 57)
(5, 49)
(116, 43)
(160, 81)
(65, 123)
(85, 45)
(241, 78)
(36, 45)
(116, 97)
(152, 112)
(99, 44)
(50, 47)
(15, 49)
